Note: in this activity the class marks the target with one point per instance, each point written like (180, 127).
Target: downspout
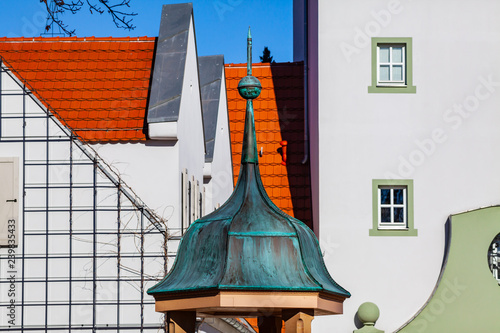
(306, 84)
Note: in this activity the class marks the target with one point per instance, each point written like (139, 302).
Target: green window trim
(410, 230)
(409, 88)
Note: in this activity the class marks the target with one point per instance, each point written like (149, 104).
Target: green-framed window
(392, 205)
(392, 65)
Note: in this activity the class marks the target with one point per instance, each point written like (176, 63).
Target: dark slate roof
(210, 71)
(170, 60)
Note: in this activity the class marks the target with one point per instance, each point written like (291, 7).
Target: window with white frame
(392, 202)
(391, 64)
(192, 200)
(392, 208)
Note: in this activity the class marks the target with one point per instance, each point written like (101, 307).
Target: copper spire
(249, 245)
(249, 88)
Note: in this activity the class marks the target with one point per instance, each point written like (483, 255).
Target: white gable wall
(365, 136)
(220, 185)
(150, 169)
(153, 169)
(71, 230)
(190, 124)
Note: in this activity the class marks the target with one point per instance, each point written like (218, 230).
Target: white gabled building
(105, 145)
(403, 113)
(217, 173)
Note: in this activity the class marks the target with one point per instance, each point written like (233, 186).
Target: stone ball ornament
(368, 313)
(249, 87)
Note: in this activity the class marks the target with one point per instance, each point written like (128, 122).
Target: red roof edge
(77, 39)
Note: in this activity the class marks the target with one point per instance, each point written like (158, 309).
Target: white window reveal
(9, 202)
(202, 201)
(392, 207)
(198, 200)
(192, 200)
(391, 64)
(185, 200)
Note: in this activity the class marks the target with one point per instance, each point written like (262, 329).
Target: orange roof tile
(279, 115)
(98, 86)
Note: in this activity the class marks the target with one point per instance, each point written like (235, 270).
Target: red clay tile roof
(99, 86)
(279, 115)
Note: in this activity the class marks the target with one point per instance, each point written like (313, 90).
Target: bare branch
(72, 7)
(121, 19)
(60, 7)
(93, 8)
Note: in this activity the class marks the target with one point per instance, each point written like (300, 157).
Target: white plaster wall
(58, 244)
(12, 106)
(152, 170)
(190, 124)
(9, 151)
(456, 47)
(220, 186)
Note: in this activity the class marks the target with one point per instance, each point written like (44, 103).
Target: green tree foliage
(266, 56)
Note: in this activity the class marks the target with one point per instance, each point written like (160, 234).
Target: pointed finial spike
(249, 53)
(249, 88)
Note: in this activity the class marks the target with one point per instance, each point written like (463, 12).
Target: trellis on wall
(87, 247)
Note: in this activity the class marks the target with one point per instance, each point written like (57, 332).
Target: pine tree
(266, 56)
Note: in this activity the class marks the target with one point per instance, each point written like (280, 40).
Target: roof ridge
(77, 39)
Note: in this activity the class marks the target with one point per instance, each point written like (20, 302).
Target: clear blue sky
(221, 25)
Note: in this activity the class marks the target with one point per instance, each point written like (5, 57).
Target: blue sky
(221, 25)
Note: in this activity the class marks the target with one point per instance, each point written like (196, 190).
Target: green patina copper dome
(249, 87)
(248, 244)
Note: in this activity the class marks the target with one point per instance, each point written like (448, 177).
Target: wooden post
(182, 321)
(298, 321)
(270, 324)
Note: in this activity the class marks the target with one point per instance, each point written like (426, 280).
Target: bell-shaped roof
(248, 244)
